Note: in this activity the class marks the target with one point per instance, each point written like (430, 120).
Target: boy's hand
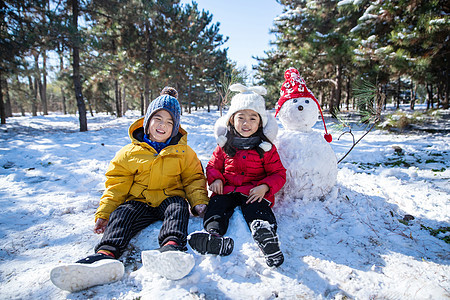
(100, 225)
(257, 193)
(200, 209)
(217, 187)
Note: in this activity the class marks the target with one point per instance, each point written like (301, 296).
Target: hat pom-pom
(328, 137)
(221, 140)
(266, 146)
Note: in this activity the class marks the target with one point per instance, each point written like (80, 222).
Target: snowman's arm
(215, 166)
(276, 173)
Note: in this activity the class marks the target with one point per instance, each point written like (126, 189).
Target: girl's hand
(200, 209)
(100, 225)
(217, 187)
(257, 193)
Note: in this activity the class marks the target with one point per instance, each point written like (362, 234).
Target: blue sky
(246, 23)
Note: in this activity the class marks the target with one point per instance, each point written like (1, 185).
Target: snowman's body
(309, 160)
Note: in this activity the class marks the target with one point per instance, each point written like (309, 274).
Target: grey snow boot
(267, 240)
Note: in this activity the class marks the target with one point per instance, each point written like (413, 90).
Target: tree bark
(7, 100)
(61, 69)
(117, 98)
(37, 80)
(430, 96)
(63, 100)
(347, 100)
(142, 104)
(338, 91)
(76, 69)
(2, 106)
(146, 93)
(445, 103)
(124, 101)
(397, 94)
(412, 102)
(43, 84)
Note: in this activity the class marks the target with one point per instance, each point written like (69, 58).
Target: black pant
(132, 216)
(221, 208)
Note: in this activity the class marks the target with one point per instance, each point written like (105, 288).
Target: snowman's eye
(306, 101)
(295, 100)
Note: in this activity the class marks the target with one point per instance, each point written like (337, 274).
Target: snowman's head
(297, 107)
(299, 114)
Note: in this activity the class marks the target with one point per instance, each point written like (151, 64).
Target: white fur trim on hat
(270, 131)
(265, 146)
(220, 131)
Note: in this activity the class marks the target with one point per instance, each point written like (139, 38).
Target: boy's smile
(160, 126)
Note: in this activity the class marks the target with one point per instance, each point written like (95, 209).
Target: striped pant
(132, 216)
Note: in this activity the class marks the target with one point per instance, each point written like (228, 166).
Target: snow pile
(358, 243)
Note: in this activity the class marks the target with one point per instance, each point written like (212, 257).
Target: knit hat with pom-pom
(293, 87)
(167, 101)
(248, 98)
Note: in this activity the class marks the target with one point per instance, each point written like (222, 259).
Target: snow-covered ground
(354, 245)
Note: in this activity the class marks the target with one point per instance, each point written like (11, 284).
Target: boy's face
(246, 122)
(160, 126)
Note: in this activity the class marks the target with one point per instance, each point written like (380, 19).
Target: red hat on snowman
(294, 86)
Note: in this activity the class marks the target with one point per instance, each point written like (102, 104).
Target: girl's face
(246, 122)
(160, 126)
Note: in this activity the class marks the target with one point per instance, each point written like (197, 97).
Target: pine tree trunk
(146, 93)
(8, 106)
(117, 98)
(445, 103)
(412, 103)
(439, 95)
(347, 100)
(397, 94)
(2, 106)
(61, 69)
(63, 100)
(43, 85)
(189, 97)
(37, 78)
(332, 101)
(142, 104)
(34, 89)
(430, 96)
(338, 89)
(76, 69)
(124, 101)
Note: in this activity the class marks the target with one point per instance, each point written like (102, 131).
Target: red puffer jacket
(247, 170)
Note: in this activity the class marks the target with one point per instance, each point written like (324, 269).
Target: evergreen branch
(224, 87)
(366, 94)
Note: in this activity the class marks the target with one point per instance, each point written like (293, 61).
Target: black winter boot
(267, 240)
(93, 258)
(206, 243)
(169, 247)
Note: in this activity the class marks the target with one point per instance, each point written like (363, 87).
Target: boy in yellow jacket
(148, 180)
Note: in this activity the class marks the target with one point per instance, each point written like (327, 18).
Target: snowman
(307, 156)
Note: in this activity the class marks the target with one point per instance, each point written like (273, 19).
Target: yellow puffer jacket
(138, 172)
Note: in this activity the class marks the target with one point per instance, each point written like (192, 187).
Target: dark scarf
(245, 143)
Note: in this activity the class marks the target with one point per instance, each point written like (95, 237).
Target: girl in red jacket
(245, 170)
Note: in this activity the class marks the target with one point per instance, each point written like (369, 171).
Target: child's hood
(136, 133)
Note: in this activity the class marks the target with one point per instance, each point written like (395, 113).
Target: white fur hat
(248, 98)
